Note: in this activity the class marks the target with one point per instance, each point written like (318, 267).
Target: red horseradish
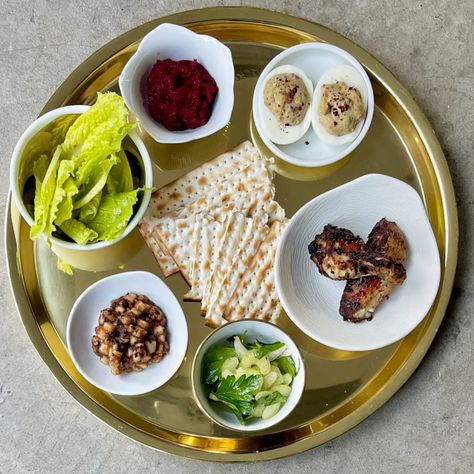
(180, 94)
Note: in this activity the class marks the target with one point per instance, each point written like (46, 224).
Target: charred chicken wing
(372, 269)
(387, 240)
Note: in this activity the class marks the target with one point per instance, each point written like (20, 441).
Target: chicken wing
(361, 297)
(340, 255)
(387, 240)
(336, 252)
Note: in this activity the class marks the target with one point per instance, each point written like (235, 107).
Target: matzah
(248, 248)
(176, 234)
(167, 264)
(210, 233)
(255, 296)
(236, 229)
(243, 161)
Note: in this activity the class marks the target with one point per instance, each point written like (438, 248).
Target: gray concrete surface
(428, 425)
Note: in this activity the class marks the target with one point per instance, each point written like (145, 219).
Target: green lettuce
(113, 214)
(120, 178)
(44, 193)
(89, 211)
(83, 181)
(78, 231)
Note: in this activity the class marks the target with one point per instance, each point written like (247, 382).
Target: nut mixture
(131, 334)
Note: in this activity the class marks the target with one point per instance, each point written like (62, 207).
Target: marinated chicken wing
(372, 269)
(387, 240)
(340, 255)
(361, 297)
(336, 252)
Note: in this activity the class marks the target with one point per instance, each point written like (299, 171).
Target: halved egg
(339, 105)
(285, 104)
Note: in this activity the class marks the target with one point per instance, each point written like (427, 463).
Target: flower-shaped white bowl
(174, 42)
(84, 318)
(314, 59)
(312, 300)
(31, 132)
(254, 329)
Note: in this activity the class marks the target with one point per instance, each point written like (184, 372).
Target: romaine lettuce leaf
(113, 214)
(64, 267)
(78, 231)
(96, 182)
(65, 169)
(44, 196)
(65, 206)
(89, 211)
(120, 178)
(105, 122)
(97, 134)
(84, 182)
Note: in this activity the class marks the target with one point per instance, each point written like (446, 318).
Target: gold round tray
(342, 388)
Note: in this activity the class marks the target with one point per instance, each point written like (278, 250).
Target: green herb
(287, 365)
(238, 394)
(212, 363)
(261, 349)
(275, 397)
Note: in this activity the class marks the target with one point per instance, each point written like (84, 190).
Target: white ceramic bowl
(265, 332)
(314, 59)
(312, 300)
(175, 42)
(37, 126)
(84, 318)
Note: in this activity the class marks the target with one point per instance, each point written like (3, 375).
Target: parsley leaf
(212, 363)
(287, 365)
(275, 397)
(238, 394)
(261, 349)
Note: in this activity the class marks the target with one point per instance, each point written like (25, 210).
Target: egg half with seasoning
(339, 105)
(285, 104)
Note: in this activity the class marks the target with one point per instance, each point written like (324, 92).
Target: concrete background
(428, 425)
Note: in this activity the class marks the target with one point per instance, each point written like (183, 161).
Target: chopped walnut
(131, 334)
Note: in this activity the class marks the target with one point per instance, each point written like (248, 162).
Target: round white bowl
(265, 332)
(312, 300)
(175, 42)
(83, 319)
(314, 59)
(36, 127)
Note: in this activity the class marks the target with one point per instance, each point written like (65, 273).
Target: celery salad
(253, 380)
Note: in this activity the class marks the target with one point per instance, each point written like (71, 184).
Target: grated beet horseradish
(180, 94)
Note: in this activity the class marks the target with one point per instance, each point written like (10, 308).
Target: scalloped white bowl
(175, 42)
(312, 300)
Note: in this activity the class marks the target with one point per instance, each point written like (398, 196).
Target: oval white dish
(312, 300)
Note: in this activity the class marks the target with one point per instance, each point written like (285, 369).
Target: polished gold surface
(342, 388)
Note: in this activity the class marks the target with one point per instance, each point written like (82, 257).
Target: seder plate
(342, 388)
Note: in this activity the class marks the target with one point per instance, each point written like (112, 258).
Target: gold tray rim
(451, 230)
